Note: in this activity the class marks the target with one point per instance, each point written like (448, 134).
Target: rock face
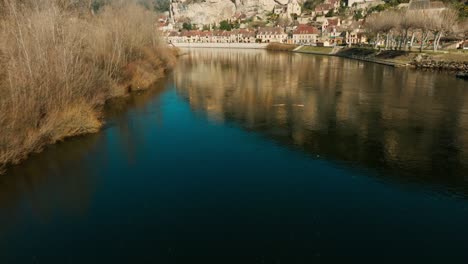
(463, 75)
(213, 11)
(441, 65)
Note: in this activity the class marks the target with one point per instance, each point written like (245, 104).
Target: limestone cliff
(214, 11)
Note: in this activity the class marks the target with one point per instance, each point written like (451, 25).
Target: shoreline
(392, 58)
(395, 58)
(53, 88)
(166, 68)
(98, 111)
(221, 45)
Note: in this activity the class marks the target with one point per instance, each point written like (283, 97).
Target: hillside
(214, 11)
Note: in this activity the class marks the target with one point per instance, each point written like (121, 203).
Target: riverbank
(222, 45)
(443, 60)
(59, 66)
(452, 61)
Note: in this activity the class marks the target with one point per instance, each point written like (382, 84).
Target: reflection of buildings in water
(379, 115)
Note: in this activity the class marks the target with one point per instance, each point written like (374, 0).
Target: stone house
(305, 19)
(330, 22)
(205, 36)
(279, 9)
(220, 36)
(272, 34)
(355, 33)
(243, 36)
(355, 38)
(323, 9)
(360, 3)
(305, 35)
(328, 5)
(334, 3)
(174, 37)
(293, 7)
(190, 36)
(364, 4)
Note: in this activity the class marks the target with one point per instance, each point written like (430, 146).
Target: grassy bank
(315, 50)
(59, 63)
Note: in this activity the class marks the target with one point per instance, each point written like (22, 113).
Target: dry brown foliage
(281, 47)
(59, 64)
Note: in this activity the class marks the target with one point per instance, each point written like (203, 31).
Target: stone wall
(441, 65)
(222, 45)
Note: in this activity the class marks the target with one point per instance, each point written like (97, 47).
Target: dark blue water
(253, 157)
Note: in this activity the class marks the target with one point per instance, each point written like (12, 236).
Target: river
(247, 156)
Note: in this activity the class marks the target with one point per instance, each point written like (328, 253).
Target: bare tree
(407, 24)
(461, 29)
(422, 22)
(373, 26)
(396, 26)
(383, 23)
(283, 21)
(443, 24)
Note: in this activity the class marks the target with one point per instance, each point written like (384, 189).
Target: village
(331, 23)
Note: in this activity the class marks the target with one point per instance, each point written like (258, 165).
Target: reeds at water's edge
(58, 66)
(281, 47)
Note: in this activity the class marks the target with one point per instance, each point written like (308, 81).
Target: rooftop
(305, 29)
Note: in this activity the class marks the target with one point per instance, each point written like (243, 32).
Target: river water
(255, 157)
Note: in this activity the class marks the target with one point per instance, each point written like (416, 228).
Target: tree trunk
(436, 35)
(349, 39)
(438, 40)
(405, 40)
(423, 40)
(377, 41)
(412, 41)
(387, 41)
(90, 7)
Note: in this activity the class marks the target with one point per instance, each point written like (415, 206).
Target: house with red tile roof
(330, 23)
(323, 9)
(174, 37)
(305, 35)
(272, 34)
(243, 36)
(355, 33)
(334, 3)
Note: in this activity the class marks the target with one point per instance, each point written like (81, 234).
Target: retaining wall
(222, 45)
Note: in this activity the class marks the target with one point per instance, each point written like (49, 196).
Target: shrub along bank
(59, 64)
(280, 47)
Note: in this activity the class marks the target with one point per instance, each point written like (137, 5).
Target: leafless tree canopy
(399, 29)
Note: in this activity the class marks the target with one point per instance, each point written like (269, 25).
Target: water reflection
(410, 125)
(62, 179)
(55, 182)
(162, 183)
